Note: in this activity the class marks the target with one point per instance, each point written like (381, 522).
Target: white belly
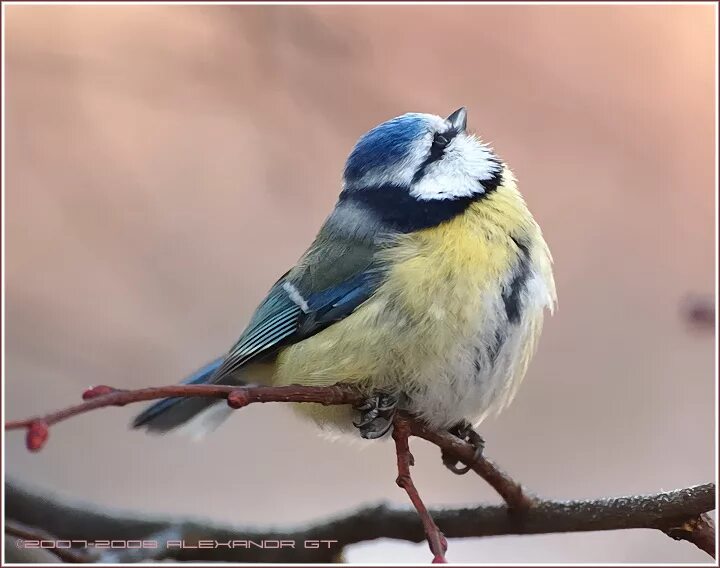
(482, 376)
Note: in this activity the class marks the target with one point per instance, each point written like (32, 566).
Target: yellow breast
(431, 300)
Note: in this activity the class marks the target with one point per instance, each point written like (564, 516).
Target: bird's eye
(440, 141)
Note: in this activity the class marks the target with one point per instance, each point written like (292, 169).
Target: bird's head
(426, 156)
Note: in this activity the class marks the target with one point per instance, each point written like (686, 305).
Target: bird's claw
(367, 417)
(366, 405)
(376, 415)
(466, 433)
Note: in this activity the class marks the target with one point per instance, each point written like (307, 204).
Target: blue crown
(385, 145)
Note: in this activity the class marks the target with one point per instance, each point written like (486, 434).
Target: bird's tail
(198, 415)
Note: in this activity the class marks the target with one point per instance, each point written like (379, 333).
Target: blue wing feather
(280, 320)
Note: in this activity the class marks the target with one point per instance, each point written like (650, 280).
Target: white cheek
(466, 163)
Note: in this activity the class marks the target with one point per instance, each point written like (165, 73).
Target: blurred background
(165, 164)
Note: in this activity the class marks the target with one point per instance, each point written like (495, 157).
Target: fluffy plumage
(430, 278)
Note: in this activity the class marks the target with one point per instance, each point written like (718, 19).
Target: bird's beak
(458, 119)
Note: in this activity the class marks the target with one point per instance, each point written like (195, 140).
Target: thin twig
(436, 540)
(509, 489)
(104, 396)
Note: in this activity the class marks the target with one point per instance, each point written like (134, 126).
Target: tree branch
(238, 397)
(25, 533)
(648, 511)
(675, 513)
(699, 530)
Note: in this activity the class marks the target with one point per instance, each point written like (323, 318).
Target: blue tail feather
(159, 416)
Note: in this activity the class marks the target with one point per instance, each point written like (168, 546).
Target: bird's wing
(329, 282)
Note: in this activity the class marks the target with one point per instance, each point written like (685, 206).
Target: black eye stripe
(437, 151)
(440, 140)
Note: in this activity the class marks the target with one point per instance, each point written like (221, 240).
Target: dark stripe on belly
(512, 294)
(489, 353)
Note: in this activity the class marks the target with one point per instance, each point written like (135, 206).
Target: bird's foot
(466, 433)
(376, 415)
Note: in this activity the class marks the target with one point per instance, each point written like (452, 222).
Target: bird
(425, 288)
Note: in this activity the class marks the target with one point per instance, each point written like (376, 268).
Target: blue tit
(426, 288)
